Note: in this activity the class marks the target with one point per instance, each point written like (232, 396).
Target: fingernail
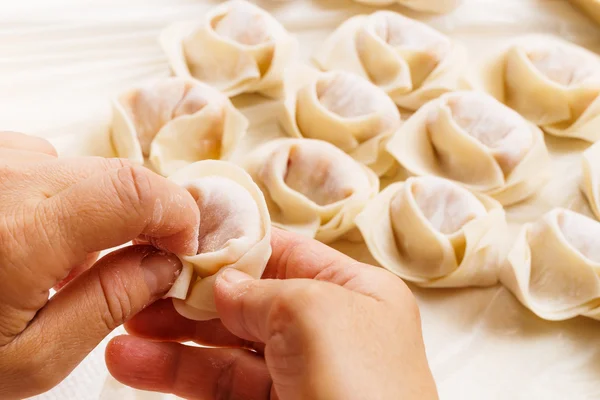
(231, 275)
(160, 270)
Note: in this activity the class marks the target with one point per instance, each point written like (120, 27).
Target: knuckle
(115, 304)
(133, 187)
(225, 383)
(290, 307)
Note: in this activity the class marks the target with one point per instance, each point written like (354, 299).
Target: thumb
(78, 317)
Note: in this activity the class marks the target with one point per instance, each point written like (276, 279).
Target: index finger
(114, 208)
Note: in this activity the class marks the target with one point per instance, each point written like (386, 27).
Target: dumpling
(347, 111)
(235, 232)
(471, 138)
(311, 186)
(434, 6)
(175, 122)
(410, 61)
(435, 233)
(590, 184)
(554, 266)
(552, 83)
(590, 7)
(236, 48)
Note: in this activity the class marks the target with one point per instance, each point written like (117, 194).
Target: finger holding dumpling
(471, 138)
(551, 82)
(345, 110)
(311, 187)
(435, 233)
(412, 62)
(174, 122)
(554, 266)
(235, 232)
(237, 48)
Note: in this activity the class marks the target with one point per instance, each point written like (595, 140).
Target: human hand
(319, 326)
(55, 216)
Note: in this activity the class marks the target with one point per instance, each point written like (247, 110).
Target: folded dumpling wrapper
(235, 232)
(237, 48)
(590, 184)
(311, 187)
(435, 233)
(590, 7)
(554, 266)
(552, 83)
(175, 122)
(434, 6)
(412, 62)
(343, 109)
(471, 138)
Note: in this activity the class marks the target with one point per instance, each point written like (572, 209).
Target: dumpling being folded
(434, 6)
(552, 83)
(236, 48)
(175, 122)
(235, 232)
(311, 186)
(435, 233)
(345, 110)
(554, 266)
(471, 138)
(406, 58)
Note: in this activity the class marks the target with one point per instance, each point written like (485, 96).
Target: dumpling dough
(590, 184)
(175, 122)
(237, 48)
(552, 83)
(590, 7)
(410, 61)
(435, 233)
(311, 186)
(235, 232)
(434, 6)
(554, 266)
(345, 110)
(471, 138)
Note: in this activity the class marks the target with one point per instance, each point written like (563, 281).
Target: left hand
(55, 216)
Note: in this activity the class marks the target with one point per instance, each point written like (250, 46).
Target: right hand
(322, 326)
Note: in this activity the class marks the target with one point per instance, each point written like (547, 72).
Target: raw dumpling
(175, 122)
(311, 186)
(591, 178)
(435, 233)
(237, 48)
(434, 6)
(590, 7)
(552, 83)
(235, 232)
(410, 61)
(554, 266)
(345, 110)
(473, 139)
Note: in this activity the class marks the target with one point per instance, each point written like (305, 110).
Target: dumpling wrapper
(434, 6)
(552, 83)
(554, 266)
(235, 232)
(175, 122)
(472, 139)
(590, 184)
(412, 62)
(345, 110)
(311, 186)
(590, 7)
(237, 48)
(435, 233)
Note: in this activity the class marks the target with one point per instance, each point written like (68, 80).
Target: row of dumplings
(470, 153)
(427, 230)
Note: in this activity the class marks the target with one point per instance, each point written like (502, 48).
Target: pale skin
(319, 325)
